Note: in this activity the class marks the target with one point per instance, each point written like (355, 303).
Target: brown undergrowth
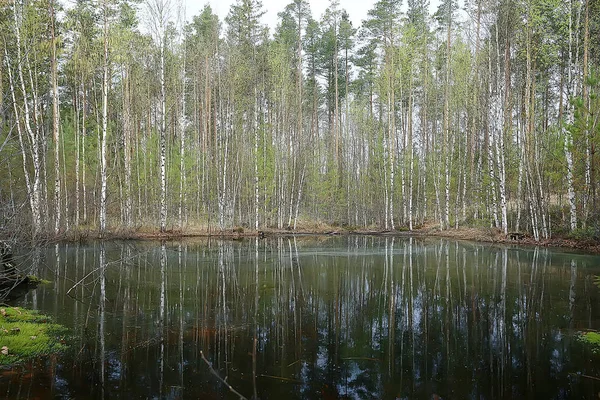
(477, 234)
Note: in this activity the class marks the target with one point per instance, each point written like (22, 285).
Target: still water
(314, 318)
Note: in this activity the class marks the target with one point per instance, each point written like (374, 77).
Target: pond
(314, 317)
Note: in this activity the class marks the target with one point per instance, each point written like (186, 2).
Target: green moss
(25, 334)
(590, 339)
(35, 280)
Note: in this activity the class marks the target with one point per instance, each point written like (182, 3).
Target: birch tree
(55, 117)
(160, 14)
(103, 138)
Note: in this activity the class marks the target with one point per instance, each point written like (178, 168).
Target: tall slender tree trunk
(503, 132)
(163, 132)
(20, 136)
(521, 152)
(392, 143)
(182, 136)
(77, 106)
(34, 187)
(589, 144)
(410, 157)
(336, 112)
(103, 139)
(446, 217)
(127, 128)
(83, 169)
(256, 180)
(55, 120)
(567, 134)
(491, 137)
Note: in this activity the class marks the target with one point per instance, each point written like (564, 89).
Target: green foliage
(588, 233)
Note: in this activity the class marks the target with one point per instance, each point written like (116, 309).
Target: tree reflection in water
(311, 317)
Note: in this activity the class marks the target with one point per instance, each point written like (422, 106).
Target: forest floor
(478, 234)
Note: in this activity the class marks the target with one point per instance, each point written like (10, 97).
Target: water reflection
(354, 317)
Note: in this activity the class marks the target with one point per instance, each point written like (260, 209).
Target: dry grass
(319, 227)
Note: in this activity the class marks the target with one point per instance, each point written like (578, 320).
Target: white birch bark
(103, 139)
(83, 135)
(34, 189)
(77, 158)
(160, 12)
(492, 139)
(127, 148)
(55, 122)
(446, 218)
(299, 195)
(501, 115)
(183, 181)
(586, 102)
(256, 192)
(392, 157)
(411, 158)
(521, 153)
(163, 134)
(567, 135)
(19, 130)
(385, 177)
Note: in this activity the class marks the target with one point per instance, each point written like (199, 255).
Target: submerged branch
(216, 374)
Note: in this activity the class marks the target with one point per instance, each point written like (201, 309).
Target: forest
(121, 115)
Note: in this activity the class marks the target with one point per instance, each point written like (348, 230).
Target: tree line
(117, 115)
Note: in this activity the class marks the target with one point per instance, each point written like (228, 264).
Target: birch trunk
(392, 155)
(83, 134)
(446, 218)
(567, 135)
(127, 148)
(500, 149)
(34, 187)
(55, 121)
(589, 151)
(163, 132)
(521, 153)
(19, 132)
(103, 141)
(256, 183)
(183, 181)
(76, 105)
(491, 136)
(410, 158)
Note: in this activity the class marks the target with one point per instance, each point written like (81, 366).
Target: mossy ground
(25, 334)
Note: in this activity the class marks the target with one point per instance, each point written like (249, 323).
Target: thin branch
(215, 373)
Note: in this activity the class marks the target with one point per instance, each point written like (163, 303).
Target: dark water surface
(314, 318)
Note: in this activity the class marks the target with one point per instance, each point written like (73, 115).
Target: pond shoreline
(482, 235)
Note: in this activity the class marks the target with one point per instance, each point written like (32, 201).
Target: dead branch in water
(215, 373)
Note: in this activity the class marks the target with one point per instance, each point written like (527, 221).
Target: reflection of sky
(352, 388)
(114, 367)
